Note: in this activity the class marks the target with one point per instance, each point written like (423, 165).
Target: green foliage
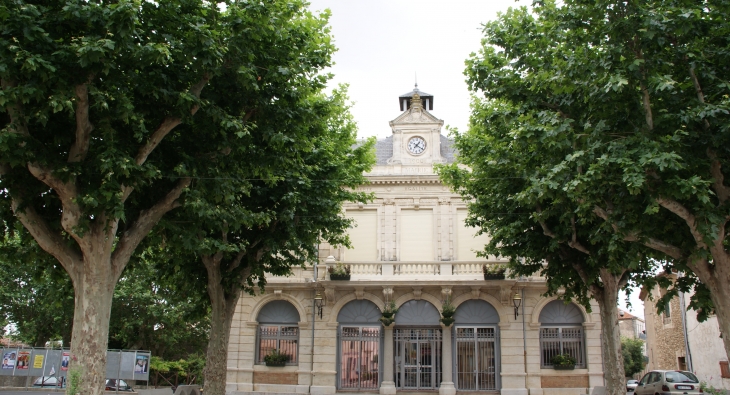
(494, 269)
(708, 389)
(563, 360)
(36, 293)
(447, 312)
(275, 356)
(73, 381)
(388, 314)
(339, 269)
(190, 368)
(633, 353)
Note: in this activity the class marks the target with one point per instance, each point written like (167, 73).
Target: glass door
(476, 359)
(417, 358)
(359, 357)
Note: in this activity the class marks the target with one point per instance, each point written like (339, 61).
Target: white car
(631, 385)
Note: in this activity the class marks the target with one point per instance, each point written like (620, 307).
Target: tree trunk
(222, 308)
(607, 298)
(94, 290)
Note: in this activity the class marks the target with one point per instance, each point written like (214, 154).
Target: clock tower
(416, 135)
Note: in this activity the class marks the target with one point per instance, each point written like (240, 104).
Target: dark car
(49, 381)
(111, 385)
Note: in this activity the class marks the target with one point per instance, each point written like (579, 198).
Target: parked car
(668, 382)
(111, 385)
(49, 381)
(631, 385)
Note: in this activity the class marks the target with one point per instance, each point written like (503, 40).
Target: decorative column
(387, 386)
(447, 384)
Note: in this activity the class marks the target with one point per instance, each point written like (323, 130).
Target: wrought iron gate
(476, 359)
(359, 357)
(417, 358)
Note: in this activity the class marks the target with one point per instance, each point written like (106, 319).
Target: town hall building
(411, 251)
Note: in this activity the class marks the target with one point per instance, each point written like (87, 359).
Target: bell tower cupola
(406, 99)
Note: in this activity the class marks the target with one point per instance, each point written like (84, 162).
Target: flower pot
(275, 363)
(494, 276)
(563, 367)
(340, 277)
(447, 321)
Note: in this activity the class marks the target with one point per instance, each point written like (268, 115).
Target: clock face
(416, 145)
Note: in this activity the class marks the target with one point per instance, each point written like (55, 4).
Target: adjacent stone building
(412, 250)
(676, 340)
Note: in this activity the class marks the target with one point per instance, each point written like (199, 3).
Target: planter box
(275, 363)
(493, 276)
(340, 277)
(564, 367)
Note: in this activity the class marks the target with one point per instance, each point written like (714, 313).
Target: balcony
(397, 271)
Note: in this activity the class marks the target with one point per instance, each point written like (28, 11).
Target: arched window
(278, 330)
(359, 361)
(561, 332)
(476, 343)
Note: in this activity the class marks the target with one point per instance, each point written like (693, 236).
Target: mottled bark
(223, 305)
(613, 361)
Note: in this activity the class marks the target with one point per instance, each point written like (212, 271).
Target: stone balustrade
(394, 271)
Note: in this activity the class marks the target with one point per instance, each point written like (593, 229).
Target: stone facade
(703, 352)
(412, 248)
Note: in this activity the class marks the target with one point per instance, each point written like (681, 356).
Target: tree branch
(718, 179)
(80, 147)
(650, 242)
(67, 193)
(142, 226)
(574, 243)
(15, 111)
(47, 239)
(684, 213)
(168, 124)
(237, 260)
(698, 89)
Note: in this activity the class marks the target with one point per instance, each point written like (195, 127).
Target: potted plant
(275, 358)
(388, 314)
(447, 313)
(339, 272)
(563, 362)
(494, 272)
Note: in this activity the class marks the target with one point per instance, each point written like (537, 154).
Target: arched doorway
(358, 366)
(417, 348)
(476, 338)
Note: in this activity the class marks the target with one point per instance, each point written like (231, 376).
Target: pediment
(415, 115)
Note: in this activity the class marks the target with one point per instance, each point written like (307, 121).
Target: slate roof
(420, 93)
(384, 150)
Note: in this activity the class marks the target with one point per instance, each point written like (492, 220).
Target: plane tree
(600, 124)
(284, 200)
(98, 142)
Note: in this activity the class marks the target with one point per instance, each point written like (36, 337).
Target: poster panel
(141, 366)
(53, 363)
(65, 358)
(38, 359)
(10, 355)
(113, 359)
(126, 371)
(22, 362)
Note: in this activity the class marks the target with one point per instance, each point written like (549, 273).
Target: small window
(278, 330)
(285, 339)
(725, 369)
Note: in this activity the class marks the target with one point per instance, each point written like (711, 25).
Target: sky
(385, 45)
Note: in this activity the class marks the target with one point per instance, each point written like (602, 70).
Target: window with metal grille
(280, 337)
(557, 340)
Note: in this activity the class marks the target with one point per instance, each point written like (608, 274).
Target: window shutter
(724, 369)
